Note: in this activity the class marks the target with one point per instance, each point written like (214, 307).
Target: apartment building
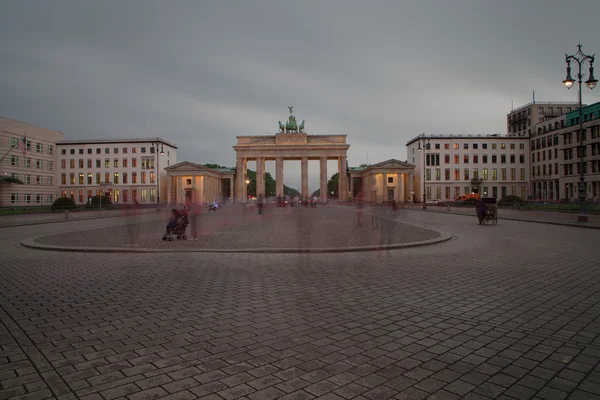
(35, 167)
(125, 170)
(546, 154)
(570, 151)
(492, 165)
(521, 122)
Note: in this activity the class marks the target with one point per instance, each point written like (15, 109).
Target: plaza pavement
(509, 312)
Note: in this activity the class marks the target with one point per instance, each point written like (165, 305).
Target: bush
(99, 200)
(63, 203)
(511, 200)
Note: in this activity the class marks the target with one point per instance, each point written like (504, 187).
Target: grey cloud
(199, 72)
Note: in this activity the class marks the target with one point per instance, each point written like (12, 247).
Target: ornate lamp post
(426, 147)
(580, 58)
(155, 144)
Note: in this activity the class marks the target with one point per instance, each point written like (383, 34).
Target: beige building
(546, 164)
(125, 170)
(36, 169)
(188, 181)
(383, 182)
(492, 165)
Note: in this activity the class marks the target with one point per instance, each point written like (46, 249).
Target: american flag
(23, 145)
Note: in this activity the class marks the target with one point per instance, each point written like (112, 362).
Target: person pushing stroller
(176, 225)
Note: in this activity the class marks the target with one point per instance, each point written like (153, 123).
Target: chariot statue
(291, 126)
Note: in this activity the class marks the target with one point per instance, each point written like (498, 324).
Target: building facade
(36, 169)
(522, 121)
(492, 165)
(386, 181)
(570, 152)
(125, 170)
(546, 171)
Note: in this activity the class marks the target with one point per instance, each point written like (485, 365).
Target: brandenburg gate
(290, 143)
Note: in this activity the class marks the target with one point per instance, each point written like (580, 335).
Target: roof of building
(117, 140)
(493, 136)
(543, 103)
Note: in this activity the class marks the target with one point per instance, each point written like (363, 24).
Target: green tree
(332, 185)
(317, 193)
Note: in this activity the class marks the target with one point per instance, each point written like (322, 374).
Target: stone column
(304, 174)
(260, 176)
(231, 189)
(351, 179)
(323, 182)
(239, 178)
(279, 176)
(179, 189)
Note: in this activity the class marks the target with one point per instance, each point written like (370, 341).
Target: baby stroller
(177, 224)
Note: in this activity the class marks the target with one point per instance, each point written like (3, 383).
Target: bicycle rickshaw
(490, 217)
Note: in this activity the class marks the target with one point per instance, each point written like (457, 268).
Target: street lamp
(580, 58)
(162, 153)
(427, 147)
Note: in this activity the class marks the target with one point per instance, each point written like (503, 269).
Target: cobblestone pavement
(277, 228)
(507, 312)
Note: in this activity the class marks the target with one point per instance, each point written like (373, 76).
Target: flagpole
(10, 149)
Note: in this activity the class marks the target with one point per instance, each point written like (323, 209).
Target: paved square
(509, 311)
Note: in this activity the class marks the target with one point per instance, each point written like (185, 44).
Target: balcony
(476, 181)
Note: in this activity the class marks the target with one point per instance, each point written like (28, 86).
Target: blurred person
(359, 208)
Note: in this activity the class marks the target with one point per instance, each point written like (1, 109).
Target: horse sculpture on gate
(291, 125)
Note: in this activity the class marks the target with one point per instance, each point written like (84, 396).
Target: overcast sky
(199, 73)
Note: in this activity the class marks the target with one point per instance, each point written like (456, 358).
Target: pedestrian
(260, 204)
(359, 209)
(480, 209)
(195, 211)
(133, 227)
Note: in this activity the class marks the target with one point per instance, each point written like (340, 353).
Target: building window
(72, 151)
(63, 151)
(475, 173)
(457, 174)
(475, 159)
(63, 179)
(484, 159)
(522, 158)
(124, 150)
(428, 174)
(153, 177)
(89, 163)
(116, 150)
(447, 158)
(447, 174)
(98, 178)
(523, 174)
(50, 149)
(81, 163)
(494, 174)
(494, 159)
(98, 163)
(484, 146)
(27, 180)
(116, 163)
(456, 146)
(134, 162)
(81, 194)
(72, 163)
(89, 151)
(512, 158)
(27, 198)
(512, 146)
(466, 174)
(153, 195)
(106, 163)
(81, 179)
(522, 145)
(457, 159)
(98, 150)
(39, 147)
(438, 174)
(466, 158)
(513, 174)
(72, 178)
(494, 146)
(143, 149)
(446, 146)
(106, 150)
(134, 177)
(466, 146)
(63, 164)
(107, 177)
(14, 160)
(90, 178)
(503, 159)
(475, 146)
(14, 198)
(503, 174)
(125, 177)
(27, 162)
(116, 178)
(484, 174)
(134, 194)
(124, 163)
(134, 149)
(144, 196)
(143, 178)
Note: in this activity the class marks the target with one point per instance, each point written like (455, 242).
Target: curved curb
(32, 244)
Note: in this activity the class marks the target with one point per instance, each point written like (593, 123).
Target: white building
(36, 169)
(123, 169)
(492, 165)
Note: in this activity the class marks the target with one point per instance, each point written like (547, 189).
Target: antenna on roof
(512, 107)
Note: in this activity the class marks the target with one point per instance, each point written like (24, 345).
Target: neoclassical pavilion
(190, 181)
(386, 181)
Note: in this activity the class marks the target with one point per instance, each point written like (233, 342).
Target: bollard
(66, 215)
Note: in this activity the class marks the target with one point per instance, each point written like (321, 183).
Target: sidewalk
(544, 217)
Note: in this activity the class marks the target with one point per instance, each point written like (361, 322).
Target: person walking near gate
(194, 210)
(260, 204)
